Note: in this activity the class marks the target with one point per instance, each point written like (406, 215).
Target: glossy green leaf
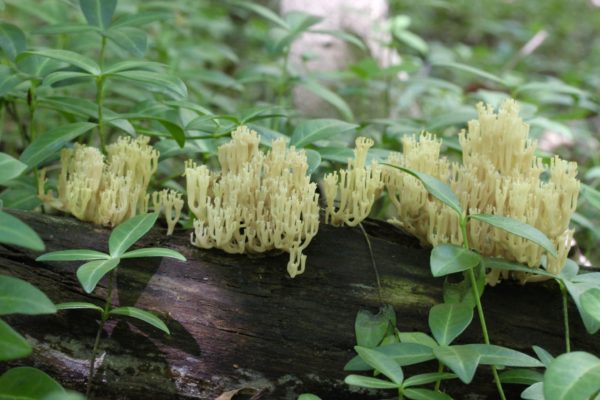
(501, 264)
(154, 252)
(586, 277)
(424, 379)
(12, 345)
(448, 321)
(544, 356)
(12, 40)
(160, 82)
(66, 78)
(90, 273)
(491, 354)
(330, 97)
(402, 353)
(448, 258)
(571, 376)
(142, 315)
(48, 143)
(133, 40)
(308, 396)
(471, 70)
(381, 363)
(425, 394)
(73, 255)
(418, 338)
(26, 383)
(13, 231)
(313, 130)
(63, 28)
(518, 228)
(78, 305)
(129, 232)
(521, 376)
(128, 65)
(20, 297)
(98, 12)
(435, 187)
(461, 360)
(10, 168)
(8, 80)
(75, 59)
(590, 301)
(371, 328)
(368, 382)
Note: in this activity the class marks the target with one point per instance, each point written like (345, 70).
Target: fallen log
(240, 322)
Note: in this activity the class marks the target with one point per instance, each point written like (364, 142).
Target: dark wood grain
(240, 321)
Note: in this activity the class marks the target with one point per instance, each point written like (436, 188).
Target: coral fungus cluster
(501, 175)
(109, 191)
(257, 202)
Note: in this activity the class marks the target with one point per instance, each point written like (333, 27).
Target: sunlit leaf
(90, 273)
(78, 305)
(73, 255)
(142, 315)
(573, 375)
(448, 259)
(129, 232)
(15, 232)
(154, 252)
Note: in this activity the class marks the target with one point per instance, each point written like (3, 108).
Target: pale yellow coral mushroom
(499, 175)
(355, 188)
(171, 203)
(258, 202)
(105, 193)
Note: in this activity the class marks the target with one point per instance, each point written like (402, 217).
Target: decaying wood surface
(241, 322)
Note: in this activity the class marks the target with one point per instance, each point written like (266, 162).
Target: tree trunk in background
(241, 322)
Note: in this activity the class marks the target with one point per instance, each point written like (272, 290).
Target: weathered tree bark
(241, 322)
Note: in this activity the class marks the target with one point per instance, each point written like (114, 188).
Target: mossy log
(240, 322)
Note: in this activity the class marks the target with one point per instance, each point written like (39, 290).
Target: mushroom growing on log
(241, 322)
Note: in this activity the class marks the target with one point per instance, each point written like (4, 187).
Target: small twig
(372, 262)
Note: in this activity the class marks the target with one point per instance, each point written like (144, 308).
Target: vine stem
(373, 263)
(475, 289)
(105, 315)
(565, 299)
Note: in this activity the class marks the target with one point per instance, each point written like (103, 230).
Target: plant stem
(475, 289)
(32, 104)
(377, 279)
(103, 319)
(565, 298)
(438, 383)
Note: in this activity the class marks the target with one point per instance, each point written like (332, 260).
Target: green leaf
(128, 65)
(78, 305)
(329, 96)
(576, 290)
(142, 315)
(424, 379)
(517, 228)
(521, 376)
(461, 360)
(411, 40)
(264, 12)
(133, 40)
(381, 363)
(308, 396)
(534, 392)
(345, 36)
(64, 396)
(8, 80)
(491, 354)
(590, 301)
(98, 12)
(499, 263)
(75, 59)
(26, 383)
(313, 130)
(313, 158)
(73, 255)
(418, 338)
(12, 345)
(425, 394)
(448, 258)
(20, 297)
(10, 168)
(154, 252)
(470, 70)
(545, 357)
(90, 273)
(448, 321)
(573, 375)
(129, 232)
(141, 19)
(37, 67)
(435, 187)
(13, 231)
(370, 328)
(48, 143)
(402, 353)
(66, 78)
(12, 40)
(160, 82)
(63, 28)
(368, 382)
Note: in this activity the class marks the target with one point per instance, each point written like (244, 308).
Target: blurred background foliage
(187, 71)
